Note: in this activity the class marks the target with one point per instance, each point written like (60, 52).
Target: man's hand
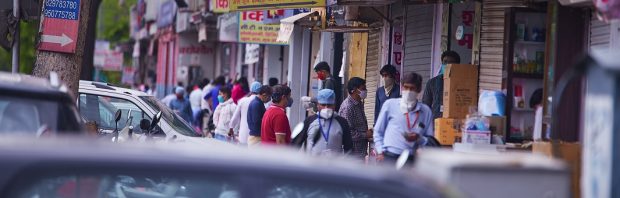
(231, 133)
(369, 134)
(411, 137)
(380, 157)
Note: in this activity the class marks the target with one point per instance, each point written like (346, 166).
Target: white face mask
(326, 113)
(363, 94)
(409, 100)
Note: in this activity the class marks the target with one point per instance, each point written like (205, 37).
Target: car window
(102, 109)
(176, 122)
(20, 115)
(103, 185)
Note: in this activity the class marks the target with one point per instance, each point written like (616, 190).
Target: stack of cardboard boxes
(461, 94)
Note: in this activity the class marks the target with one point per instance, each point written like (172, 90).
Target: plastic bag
(492, 103)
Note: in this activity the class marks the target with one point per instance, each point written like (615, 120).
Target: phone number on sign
(60, 14)
(62, 4)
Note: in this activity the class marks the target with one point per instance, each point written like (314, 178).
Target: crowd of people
(255, 114)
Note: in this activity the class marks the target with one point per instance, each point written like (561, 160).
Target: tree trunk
(68, 66)
(89, 49)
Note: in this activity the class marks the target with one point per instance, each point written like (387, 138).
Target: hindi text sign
(247, 5)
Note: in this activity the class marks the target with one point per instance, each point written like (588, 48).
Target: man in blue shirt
(256, 111)
(390, 88)
(403, 123)
(211, 97)
(181, 105)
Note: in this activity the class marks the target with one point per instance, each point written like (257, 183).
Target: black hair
(322, 66)
(273, 82)
(265, 90)
(204, 82)
(388, 69)
(452, 54)
(278, 92)
(355, 83)
(243, 81)
(536, 98)
(220, 80)
(413, 78)
(225, 90)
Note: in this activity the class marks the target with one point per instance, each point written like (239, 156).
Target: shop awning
(287, 25)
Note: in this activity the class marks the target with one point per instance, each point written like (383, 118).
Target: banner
(219, 6)
(252, 29)
(249, 5)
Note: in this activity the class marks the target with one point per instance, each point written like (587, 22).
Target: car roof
(30, 86)
(206, 156)
(106, 87)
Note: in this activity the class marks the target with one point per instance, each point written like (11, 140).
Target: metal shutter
(600, 36)
(372, 74)
(492, 42)
(419, 41)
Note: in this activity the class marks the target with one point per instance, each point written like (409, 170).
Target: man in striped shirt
(352, 109)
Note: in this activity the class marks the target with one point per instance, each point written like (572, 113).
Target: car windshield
(176, 122)
(28, 116)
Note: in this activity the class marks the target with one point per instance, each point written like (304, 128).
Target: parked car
(103, 169)
(99, 102)
(36, 106)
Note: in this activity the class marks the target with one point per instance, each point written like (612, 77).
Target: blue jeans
(221, 137)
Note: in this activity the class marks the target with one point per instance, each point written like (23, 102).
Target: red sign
(59, 27)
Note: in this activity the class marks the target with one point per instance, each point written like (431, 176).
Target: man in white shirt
(194, 100)
(223, 114)
(239, 121)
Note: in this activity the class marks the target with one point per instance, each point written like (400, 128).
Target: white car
(99, 102)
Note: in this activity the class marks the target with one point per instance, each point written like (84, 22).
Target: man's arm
(280, 127)
(216, 115)
(236, 118)
(347, 140)
(253, 117)
(428, 93)
(346, 113)
(377, 105)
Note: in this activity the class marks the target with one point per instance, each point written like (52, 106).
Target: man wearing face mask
(403, 123)
(352, 109)
(322, 70)
(327, 133)
(275, 128)
(390, 88)
(256, 111)
(433, 94)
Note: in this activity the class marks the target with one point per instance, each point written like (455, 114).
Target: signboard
(252, 29)
(59, 25)
(166, 14)
(219, 6)
(248, 5)
(274, 16)
(462, 26)
(229, 27)
(128, 75)
(108, 60)
(397, 44)
(251, 53)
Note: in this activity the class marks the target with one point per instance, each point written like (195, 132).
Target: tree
(68, 66)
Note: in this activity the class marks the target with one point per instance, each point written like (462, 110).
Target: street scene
(309, 98)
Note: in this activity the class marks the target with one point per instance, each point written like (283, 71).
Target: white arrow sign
(62, 40)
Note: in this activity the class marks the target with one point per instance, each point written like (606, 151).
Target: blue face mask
(220, 99)
(290, 102)
(442, 69)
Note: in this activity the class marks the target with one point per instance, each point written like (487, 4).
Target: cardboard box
(476, 137)
(460, 90)
(571, 154)
(447, 131)
(497, 125)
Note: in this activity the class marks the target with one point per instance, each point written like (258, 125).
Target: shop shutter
(600, 36)
(418, 40)
(372, 74)
(492, 42)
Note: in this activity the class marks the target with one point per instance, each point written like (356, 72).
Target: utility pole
(50, 54)
(15, 50)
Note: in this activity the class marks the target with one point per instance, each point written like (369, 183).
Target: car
(75, 168)
(36, 106)
(98, 102)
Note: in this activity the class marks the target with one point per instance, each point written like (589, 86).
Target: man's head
(220, 80)
(255, 87)
(204, 82)
(450, 57)
(326, 99)
(357, 88)
(322, 70)
(273, 82)
(281, 95)
(264, 93)
(179, 91)
(224, 94)
(389, 74)
(412, 82)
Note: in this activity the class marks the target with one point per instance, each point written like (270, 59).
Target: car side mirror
(117, 115)
(145, 124)
(155, 120)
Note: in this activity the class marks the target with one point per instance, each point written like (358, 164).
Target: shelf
(527, 76)
(530, 42)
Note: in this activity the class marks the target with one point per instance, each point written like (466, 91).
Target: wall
(273, 63)
(418, 40)
(194, 54)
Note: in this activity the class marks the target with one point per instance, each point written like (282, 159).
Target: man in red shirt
(275, 128)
